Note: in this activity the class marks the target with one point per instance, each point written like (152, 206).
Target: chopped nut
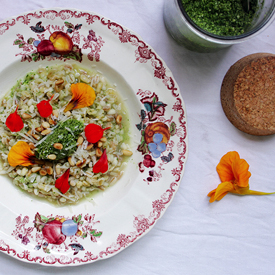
(118, 119)
(60, 81)
(35, 136)
(71, 162)
(106, 108)
(51, 156)
(46, 132)
(57, 169)
(58, 146)
(51, 121)
(26, 116)
(103, 139)
(127, 152)
(29, 173)
(110, 118)
(56, 113)
(35, 169)
(80, 140)
(72, 183)
(45, 124)
(98, 152)
(99, 144)
(49, 170)
(58, 87)
(90, 146)
(24, 171)
(68, 113)
(80, 163)
(39, 129)
(43, 172)
(31, 146)
(29, 132)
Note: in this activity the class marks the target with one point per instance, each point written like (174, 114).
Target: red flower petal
(62, 183)
(94, 132)
(102, 164)
(14, 122)
(44, 108)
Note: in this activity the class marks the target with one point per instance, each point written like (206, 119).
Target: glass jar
(185, 32)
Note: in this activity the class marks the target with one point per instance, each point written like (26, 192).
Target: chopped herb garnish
(66, 133)
(220, 17)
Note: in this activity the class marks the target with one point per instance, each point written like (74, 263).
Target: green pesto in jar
(66, 133)
(220, 17)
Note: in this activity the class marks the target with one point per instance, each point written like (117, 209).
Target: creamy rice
(106, 111)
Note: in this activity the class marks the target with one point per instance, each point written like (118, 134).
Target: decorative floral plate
(35, 231)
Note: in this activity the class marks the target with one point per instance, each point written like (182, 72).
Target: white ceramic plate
(119, 216)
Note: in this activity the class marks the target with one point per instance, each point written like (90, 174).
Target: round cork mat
(248, 94)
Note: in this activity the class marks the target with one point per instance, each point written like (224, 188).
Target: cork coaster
(248, 94)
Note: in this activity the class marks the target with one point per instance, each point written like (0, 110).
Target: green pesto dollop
(220, 17)
(66, 133)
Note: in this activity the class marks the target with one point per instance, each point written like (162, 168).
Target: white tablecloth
(233, 236)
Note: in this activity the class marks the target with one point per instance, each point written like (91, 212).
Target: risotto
(64, 133)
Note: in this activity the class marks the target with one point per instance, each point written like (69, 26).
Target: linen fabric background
(233, 236)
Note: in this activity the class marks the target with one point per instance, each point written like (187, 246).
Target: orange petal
(224, 168)
(83, 96)
(222, 189)
(21, 154)
(211, 194)
(240, 170)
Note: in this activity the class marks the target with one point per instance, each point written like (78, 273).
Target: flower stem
(252, 192)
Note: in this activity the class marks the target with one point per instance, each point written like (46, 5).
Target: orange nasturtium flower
(21, 154)
(83, 96)
(234, 174)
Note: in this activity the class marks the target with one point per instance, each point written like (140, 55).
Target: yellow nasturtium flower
(234, 176)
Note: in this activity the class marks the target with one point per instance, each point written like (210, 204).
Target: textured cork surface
(248, 94)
